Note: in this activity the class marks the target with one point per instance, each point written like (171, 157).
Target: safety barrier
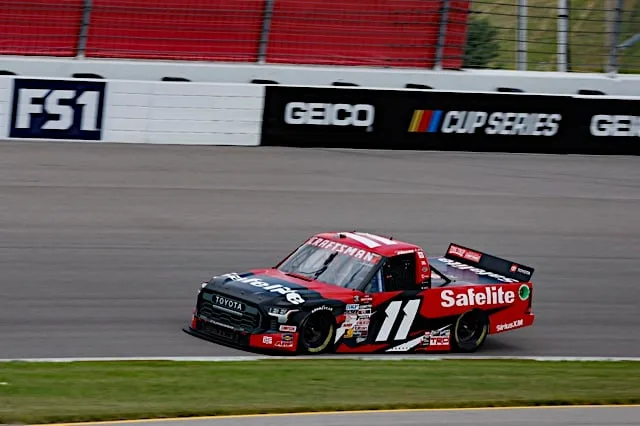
(304, 116)
(131, 111)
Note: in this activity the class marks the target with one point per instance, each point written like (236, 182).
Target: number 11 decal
(410, 310)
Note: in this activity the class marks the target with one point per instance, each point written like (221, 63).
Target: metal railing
(537, 35)
(561, 35)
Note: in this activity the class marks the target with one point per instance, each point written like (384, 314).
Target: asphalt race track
(102, 247)
(559, 416)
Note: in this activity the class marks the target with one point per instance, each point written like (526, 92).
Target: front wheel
(470, 331)
(316, 334)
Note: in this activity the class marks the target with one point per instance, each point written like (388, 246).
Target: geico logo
(615, 125)
(319, 114)
(291, 295)
(488, 296)
(509, 326)
(501, 123)
(477, 271)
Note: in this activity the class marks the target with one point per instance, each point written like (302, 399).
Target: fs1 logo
(57, 109)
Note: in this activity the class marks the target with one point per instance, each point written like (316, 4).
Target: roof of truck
(378, 244)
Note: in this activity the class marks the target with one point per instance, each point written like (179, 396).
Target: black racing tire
(470, 331)
(317, 334)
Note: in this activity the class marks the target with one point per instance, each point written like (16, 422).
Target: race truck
(357, 292)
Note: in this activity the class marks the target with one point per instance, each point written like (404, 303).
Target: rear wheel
(316, 334)
(470, 331)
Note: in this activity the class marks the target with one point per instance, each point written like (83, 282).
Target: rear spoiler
(507, 268)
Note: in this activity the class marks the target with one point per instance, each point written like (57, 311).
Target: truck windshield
(339, 265)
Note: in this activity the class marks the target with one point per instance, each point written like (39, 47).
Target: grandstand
(392, 33)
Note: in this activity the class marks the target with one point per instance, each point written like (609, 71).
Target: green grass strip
(91, 391)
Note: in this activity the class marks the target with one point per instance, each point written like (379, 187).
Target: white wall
(474, 80)
(185, 113)
(5, 104)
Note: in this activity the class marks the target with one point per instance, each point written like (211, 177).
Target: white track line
(349, 357)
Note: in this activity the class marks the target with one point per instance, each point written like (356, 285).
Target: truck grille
(248, 320)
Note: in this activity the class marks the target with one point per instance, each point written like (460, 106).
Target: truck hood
(271, 286)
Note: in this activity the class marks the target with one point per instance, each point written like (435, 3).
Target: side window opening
(399, 273)
(375, 284)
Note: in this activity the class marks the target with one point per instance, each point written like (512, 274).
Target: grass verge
(88, 391)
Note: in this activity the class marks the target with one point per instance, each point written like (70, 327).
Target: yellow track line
(324, 413)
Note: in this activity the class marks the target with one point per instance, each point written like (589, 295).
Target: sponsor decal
(284, 344)
(510, 325)
(456, 251)
(352, 307)
(421, 254)
(325, 114)
(465, 254)
(267, 340)
(476, 270)
(228, 303)
(399, 252)
(516, 268)
(490, 295)
(425, 338)
(356, 323)
(291, 295)
(524, 292)
(363, 321)
(437, 339)
(495, 123)
(345, 249)
(615, 125)
(57, 109)
(287, 337)
(321, 308)
(288, 328)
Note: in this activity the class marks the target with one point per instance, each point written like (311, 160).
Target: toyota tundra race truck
(356, 292)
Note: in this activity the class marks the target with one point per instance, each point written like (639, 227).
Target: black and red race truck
(356, 292)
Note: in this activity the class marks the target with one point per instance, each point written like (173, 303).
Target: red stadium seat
(40, 27)
(224, 30)
(367, 32)
(391, 33)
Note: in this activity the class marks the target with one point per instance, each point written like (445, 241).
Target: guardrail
(304, 116)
